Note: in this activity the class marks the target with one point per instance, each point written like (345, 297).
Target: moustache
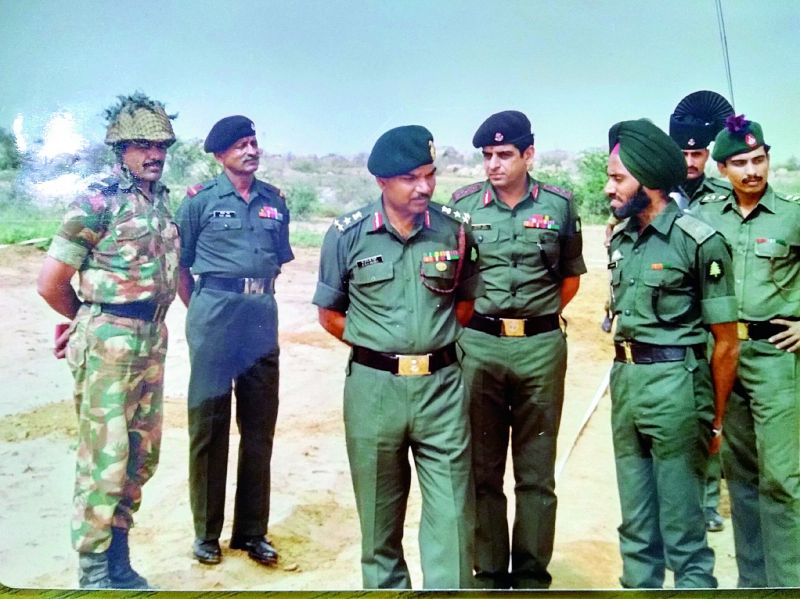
(751, 180)
(158, 163)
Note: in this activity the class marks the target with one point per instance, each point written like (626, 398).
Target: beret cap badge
(498, 136)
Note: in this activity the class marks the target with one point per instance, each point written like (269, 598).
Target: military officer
(234, 239)
(693, 125)
(514, 351)
(761, 448)
(121, 241)
(671, 276)
(396, 278)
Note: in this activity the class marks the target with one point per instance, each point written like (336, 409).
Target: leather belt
(513, 327)
(246, 285)
(143, 310)
(756, 331)
(406, 365)
(632, 352)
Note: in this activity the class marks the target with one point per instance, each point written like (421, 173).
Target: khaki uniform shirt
(524, 252)
(123, 244)
(766, 251)
(368, 271)
(676, 270)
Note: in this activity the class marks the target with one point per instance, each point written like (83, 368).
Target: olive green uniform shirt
(766, 249)
(707, 185)
(369, 272)
(678, 270)
(524, 251)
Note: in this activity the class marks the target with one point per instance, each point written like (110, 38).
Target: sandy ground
(313, 519)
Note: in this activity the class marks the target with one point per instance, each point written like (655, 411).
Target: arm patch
(695, 228)
(468, 190)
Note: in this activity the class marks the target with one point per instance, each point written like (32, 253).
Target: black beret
(651, 156)
(401, 150)
(698, 118)
(227, 132)
(507, 127)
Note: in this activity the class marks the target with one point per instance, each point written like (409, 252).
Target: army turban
(650, 155)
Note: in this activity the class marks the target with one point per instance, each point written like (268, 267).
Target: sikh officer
(122, 242)
(693, 125)
(761, 449)
(671, 277)
(234, 239)
(515, 353)
(396, 278)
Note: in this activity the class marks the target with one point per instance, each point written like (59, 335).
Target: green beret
(401, 150)
(650, 155)
(698, 118)
(507, 127)
(738, 137)
(227, 132)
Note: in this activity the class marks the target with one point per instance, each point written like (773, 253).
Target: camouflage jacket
(124, 245)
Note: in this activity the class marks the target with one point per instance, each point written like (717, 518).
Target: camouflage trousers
(118, 367)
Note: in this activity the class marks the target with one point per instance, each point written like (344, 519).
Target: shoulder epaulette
(467, 190)
(619, 227)
(461, 216)
(343, 223)
(720, 184)
(696, 229)
(713, 197)
(559, 191)
(790, 197)
(193, 190)
(273, 189)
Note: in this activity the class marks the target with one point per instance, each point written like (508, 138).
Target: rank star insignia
(456, 214)
(357, 215)
(432, 149)
(750, 140)
(715, 269)
(346, 220)
(338, 225)
(447, 209)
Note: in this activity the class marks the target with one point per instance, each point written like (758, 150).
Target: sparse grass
(304, 238)
(18, 223)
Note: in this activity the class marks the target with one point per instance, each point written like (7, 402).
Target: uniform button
(252, 228)
(411, 310)
(514, 236)
(513, 293)
(636, 251)
(631, 281)
(255, 251)
(627, 312)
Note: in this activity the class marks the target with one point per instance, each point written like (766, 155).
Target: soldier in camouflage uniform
(121, 241)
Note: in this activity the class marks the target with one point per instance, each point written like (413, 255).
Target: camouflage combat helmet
(138, 117)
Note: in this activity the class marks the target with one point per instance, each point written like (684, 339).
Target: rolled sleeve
(332, 292)
(71, 253)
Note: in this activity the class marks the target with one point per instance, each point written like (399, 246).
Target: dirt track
(313, 519)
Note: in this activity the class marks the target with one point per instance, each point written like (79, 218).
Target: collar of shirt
(379, 222)
(767, 202)
(489, 194)
(225, 187)
(662, 223)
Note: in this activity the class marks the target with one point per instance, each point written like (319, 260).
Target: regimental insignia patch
(715, 270)
(750, 140)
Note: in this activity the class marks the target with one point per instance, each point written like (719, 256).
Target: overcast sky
(330, 76)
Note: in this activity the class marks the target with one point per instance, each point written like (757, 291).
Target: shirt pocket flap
(485, 235)
(223, 224)
(445, 269)
(374, 273)
(772, 248)
(662, 278)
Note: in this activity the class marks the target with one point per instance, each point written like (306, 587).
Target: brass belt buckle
(626, 347)
(512, 327)
(743, 331)
(413, 365)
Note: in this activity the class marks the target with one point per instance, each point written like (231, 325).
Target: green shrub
(302, 201)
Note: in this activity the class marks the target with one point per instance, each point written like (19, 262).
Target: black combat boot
(119, 563)
(93, 571)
